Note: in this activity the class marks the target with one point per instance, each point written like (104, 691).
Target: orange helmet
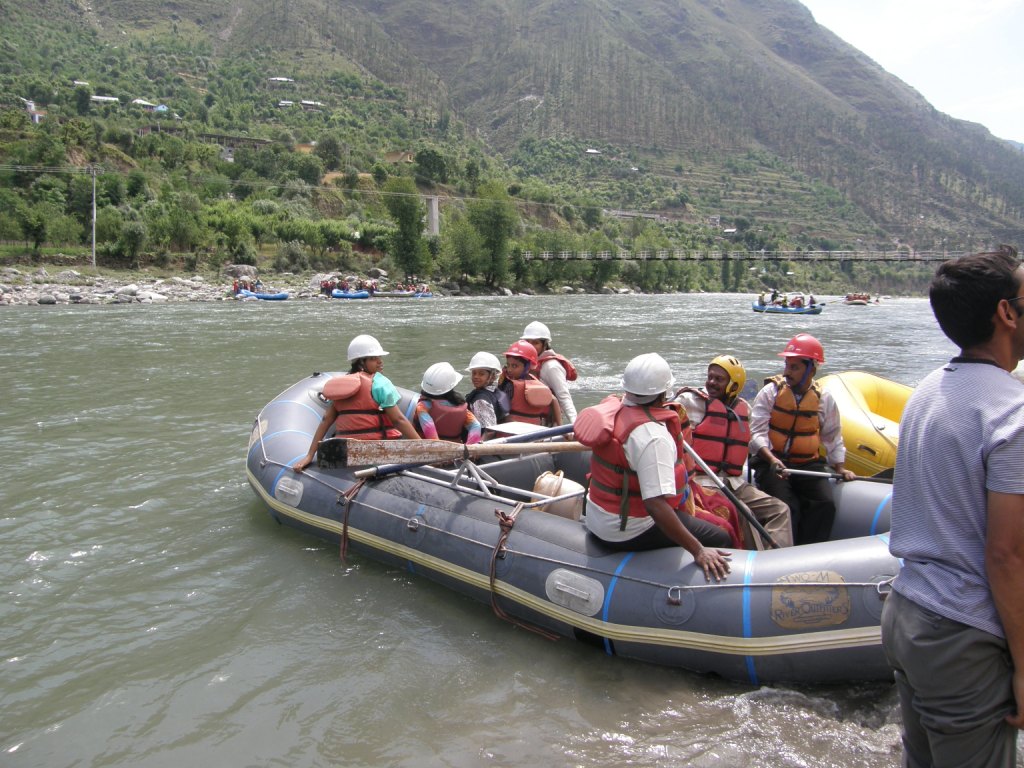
(804, 345)
(525, 350)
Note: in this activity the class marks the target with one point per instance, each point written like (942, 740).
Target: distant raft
(805, 614)
(778, 309)
(244, 293)
(870, 407)
(337, 293)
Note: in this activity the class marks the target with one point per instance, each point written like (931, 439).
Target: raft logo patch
(810, 599)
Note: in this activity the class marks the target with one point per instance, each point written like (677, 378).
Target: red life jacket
(570, 369)
(794, 429)
(531, 402)
(605, 429)
(722, 439)
(359, 415)
(449, 419)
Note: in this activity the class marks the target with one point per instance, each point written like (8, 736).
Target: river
(155, 615)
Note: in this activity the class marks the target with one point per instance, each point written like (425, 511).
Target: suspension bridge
(899, 256)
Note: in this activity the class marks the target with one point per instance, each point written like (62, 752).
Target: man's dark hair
(966, 290)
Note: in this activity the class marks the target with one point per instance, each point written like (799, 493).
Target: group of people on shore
(332, 284)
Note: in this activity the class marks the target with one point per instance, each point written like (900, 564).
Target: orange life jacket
(605, 428)
(449, 419)
(359, 415)
(793, 428)
(531, 402)
(722, 439)
(570, 369)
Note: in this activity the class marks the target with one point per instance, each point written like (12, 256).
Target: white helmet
(440, 378)
(484, 360)
(647, 375)
(536, 330)
(364, 346)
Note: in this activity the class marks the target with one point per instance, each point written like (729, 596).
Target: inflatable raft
(244, 293)
(337, 293)
(802, 614)
(778, 309)
(871, 408)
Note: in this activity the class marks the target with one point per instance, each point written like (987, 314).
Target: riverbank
(20, 286)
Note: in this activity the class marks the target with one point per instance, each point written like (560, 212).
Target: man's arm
(1004, 562)
(713, 562)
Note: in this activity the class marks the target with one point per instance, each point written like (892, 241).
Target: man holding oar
(721, 437)
(792, 418)
(638, 485)
(953, 625)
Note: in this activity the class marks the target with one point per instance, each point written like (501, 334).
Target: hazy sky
(966, 57)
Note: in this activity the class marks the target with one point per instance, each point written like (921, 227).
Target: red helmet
(804, 345)
(525, 350)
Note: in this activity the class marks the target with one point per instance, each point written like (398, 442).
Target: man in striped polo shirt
(953, 626)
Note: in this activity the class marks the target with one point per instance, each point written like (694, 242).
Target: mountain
(742, 109)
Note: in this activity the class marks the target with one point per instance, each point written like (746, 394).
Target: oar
(743, 508)
(363, 453)
(391, 469)
(833, 476)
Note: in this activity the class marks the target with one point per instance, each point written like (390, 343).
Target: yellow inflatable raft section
(871, 408)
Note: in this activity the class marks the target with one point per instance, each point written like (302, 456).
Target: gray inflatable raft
(805, 614)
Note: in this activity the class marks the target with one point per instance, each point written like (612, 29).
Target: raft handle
(867, 449)
(883, 588)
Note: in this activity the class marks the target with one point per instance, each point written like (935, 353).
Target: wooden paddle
(361, 453)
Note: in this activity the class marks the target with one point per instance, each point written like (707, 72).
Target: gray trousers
(770, 512)
(955, 685)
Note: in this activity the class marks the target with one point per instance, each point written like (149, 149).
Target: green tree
(462, 246)
(33, 224)
(132, 241)
(494, 216)
(407, 210)
(431, 166)
(83, 100)
(329, 149)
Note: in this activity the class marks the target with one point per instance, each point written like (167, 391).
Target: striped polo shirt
(961, 435)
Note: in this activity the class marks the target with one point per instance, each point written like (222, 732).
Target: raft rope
(345, 500)
(506, 520)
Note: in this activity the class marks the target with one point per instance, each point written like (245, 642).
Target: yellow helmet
(737, 374)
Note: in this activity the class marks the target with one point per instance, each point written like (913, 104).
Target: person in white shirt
(638, 491)
(555, 370)
(792, 419)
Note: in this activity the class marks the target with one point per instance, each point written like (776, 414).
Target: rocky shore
(36, 285)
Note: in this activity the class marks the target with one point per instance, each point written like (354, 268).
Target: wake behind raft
(805, 614)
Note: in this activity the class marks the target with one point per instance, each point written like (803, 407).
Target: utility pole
(93, 169)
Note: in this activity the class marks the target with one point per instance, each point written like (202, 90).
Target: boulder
(377, 273)
(46, 298)
(236, 271)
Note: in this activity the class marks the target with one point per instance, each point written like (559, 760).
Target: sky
(966, 57)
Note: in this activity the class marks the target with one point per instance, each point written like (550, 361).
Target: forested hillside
(302, 134)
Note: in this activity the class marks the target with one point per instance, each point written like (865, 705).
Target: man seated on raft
(637, 443)
(721, 437)
(364, 402)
